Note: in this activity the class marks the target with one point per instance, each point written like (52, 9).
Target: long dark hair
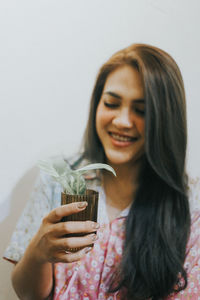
(158, 224)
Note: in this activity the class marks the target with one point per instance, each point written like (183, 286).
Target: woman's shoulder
(194, 194)
(76, 160)
(194, 201)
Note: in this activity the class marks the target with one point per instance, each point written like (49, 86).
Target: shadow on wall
(16, 203)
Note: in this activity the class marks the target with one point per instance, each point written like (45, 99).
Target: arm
(32, 277)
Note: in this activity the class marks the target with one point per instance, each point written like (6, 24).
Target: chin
(120, 158)
(125, 156)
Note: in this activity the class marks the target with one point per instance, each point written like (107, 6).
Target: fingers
(75, 242)
(72, 257)
(69, 227)
(52, 234)
(65, 210)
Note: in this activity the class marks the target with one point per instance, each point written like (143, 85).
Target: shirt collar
(125, 212)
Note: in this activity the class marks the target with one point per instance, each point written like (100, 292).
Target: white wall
(50, 52)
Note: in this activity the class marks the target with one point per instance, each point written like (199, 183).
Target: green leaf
(72, 181)
(95, 166)
(61, 166)
(47, 167)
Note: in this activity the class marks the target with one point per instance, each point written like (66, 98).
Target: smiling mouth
(122, 138)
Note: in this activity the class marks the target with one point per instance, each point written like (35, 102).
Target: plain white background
(50, 53)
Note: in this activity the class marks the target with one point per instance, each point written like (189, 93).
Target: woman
(146, 234)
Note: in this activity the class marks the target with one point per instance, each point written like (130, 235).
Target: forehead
(125, 80)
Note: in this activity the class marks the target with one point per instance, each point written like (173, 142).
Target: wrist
(34, 253)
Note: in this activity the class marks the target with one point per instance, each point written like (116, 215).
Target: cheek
(140, 126)
(103, 118)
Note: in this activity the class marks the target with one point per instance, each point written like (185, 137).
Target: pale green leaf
(95, 166)
(47, 167)
(61, 166)
(71, 181)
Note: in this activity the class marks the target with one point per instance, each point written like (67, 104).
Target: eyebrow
(140, 100)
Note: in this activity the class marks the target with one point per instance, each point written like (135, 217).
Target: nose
(123, 119)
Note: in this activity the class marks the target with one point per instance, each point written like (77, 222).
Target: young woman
(147, 242)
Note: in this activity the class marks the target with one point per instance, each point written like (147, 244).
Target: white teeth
(121, 138)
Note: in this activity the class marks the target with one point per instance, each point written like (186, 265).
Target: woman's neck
(120, 190)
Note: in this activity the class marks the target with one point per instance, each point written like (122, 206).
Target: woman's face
(120, 116)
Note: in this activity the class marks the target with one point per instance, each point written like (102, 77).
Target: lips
(122, 137)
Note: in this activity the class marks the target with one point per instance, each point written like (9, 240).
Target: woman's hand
(50, 244)
(32, 277)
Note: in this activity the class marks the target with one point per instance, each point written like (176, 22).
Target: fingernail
(87, 249)
(82, 205)
(94, 237)
(95, 225)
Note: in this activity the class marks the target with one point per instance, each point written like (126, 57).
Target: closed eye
(111, 105)
(140, 111)
(137, 110)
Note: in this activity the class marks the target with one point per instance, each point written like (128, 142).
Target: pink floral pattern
(88, 279)
(92, 272)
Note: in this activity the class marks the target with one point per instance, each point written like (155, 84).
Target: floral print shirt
(88, 279)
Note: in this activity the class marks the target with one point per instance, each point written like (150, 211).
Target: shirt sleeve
(45, 196)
